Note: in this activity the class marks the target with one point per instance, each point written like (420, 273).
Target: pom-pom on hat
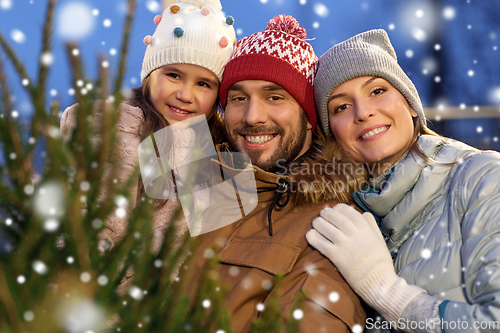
(367, 54)
(280, 55)
(191, 32)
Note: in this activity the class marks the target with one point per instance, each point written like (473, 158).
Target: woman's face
(182, 91)
(371, 121)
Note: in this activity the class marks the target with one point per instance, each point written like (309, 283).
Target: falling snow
(80, 315)
(29, 316)
(153, 6)
(136, 293)
(426, 253)
(71, 12)
(51, 225)
(49, 200)
(5, 4)
(419, 49)
(334, 297)
(298, 314)
(40, 267)
(449, 13)
(357, 328)
(321, 10)
(102, 280)
(47, 59)
(18, 36)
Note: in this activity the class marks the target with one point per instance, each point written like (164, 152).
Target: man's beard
(288, 148)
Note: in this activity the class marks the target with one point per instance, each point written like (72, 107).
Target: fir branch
(77, 232)
(83, 110)
(8, 301)
(124, 48)
(11, 197)
(105, 146)
(46, 41)
(43, 72)
(54, 112)
(11, 128)
(18, 66)
(76, 68)
(82, 140)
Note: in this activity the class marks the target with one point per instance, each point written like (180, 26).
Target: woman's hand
(352, 241)
(354, 244)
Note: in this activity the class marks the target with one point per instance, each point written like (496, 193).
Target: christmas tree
(53, 276)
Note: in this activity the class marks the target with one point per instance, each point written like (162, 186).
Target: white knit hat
(191, 32)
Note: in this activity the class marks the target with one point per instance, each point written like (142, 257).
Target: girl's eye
(203, 84)
(275, 98)
(173, 75)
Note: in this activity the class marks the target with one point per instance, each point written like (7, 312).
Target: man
(270, 116)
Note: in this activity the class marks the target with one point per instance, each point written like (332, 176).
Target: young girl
(181, 73)
(426, 255)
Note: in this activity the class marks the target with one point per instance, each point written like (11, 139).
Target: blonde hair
(420, 129)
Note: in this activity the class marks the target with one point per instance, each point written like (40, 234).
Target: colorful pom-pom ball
(148, 40)
(175, 9)
(223, 42)
(178, 32)
(205, 11)
(157, 19)
(229, 20)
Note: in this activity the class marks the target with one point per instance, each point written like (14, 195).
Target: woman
(431, 208)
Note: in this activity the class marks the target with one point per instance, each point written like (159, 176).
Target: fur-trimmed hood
(327, 174)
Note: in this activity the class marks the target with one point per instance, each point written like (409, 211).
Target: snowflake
(85, 277)
(426, 253)
(40, 267)
(135, 293)
(18, 36)
(298, 314)
(321, 10)
(334, 297)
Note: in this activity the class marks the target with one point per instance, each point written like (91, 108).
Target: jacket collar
(411, 186)
(304, 181)
(266, 181)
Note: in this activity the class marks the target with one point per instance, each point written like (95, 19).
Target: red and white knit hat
(280, 55)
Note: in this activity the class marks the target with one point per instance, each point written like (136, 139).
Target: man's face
(265, 122)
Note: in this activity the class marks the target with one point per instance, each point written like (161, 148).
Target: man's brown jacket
(250, 257)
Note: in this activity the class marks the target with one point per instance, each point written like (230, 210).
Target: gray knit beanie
(367, 54)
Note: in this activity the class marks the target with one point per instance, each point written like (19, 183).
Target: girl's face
(182, 91)
(371, 121)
